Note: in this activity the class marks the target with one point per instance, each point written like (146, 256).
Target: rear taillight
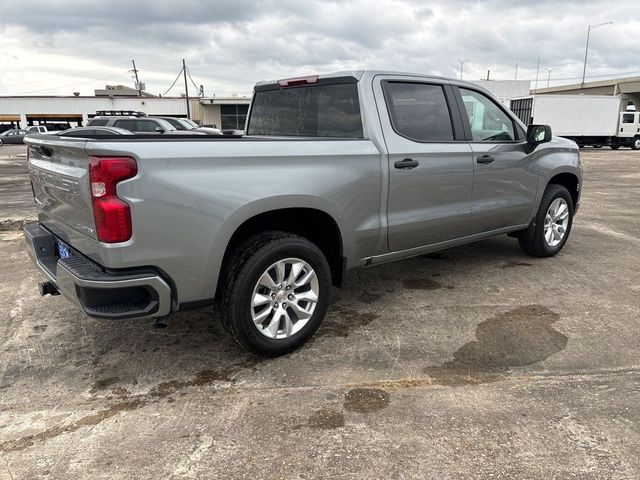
(112, 215)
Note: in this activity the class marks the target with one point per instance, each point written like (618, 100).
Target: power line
(52, 88)
(174, 82)
(194, 83)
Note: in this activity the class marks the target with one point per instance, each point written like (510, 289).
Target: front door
(430, 164)
(506, 177)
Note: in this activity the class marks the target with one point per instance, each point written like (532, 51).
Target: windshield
(189, 122)
(310, 111)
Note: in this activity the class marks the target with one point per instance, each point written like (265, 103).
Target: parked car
(187, 124)
(95, 131)
(336, 172)
(15, 135)
(37, 129)
(137, 122)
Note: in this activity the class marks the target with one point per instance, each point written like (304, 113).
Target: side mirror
(159, 130)
(537, 134)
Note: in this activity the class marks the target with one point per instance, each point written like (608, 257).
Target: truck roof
(360, 74)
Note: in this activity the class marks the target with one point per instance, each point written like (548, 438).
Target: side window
(126, 124)
(97, 121)
(146, 126)
(628, 118)
(488, 122)
(419, 111)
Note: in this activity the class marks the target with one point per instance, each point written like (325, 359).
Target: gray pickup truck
(335, 171)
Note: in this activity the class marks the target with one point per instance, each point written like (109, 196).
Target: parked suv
(136, 122)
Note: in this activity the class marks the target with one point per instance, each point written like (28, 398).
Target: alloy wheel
(284, 298)
(556, 222)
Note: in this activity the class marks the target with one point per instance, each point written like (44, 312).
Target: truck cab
(629, 124)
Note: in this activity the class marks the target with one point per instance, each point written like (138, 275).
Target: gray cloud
(231, 44)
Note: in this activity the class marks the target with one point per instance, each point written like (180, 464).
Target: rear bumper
(99, 292)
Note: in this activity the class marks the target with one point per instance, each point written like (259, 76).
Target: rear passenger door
(430, 162)
(506, 177)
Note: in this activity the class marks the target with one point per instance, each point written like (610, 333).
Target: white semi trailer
(595, 120)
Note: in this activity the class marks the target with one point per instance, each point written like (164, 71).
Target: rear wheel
(274, 293)
(1, 142)
(552, 223)
(635, 145)
(614, 147)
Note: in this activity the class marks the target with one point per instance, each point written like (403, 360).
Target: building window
(233, 116)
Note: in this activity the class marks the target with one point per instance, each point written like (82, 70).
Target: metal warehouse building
(63, 111)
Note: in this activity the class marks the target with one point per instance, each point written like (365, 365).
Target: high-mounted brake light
(112, 215)
(294, 82)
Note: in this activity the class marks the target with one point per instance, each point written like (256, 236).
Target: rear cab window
(317, 110)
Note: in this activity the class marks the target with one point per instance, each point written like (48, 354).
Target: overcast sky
(58, 47)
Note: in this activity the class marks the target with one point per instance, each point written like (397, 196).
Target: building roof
(612, 82)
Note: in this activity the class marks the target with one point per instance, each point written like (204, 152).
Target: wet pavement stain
(424, 284)
(103, 384)
(343, 321)
(205, 377)
(87, 421)
(519, 337)
(513, 264)
(369, 297)
(365, 400)
(159, 392)
(326, 419)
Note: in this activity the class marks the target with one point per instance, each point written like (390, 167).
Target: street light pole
(586, 50)
(549, 70)
(462, 62)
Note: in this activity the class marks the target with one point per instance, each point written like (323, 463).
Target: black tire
(614, 147)
(635, 144)
(241, 273)
(532, 241)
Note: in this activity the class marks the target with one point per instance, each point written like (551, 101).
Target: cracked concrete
(477, 362)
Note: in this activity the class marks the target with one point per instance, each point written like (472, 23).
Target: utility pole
(488, 74)
(186, 87)
(535, 91)
(549, 70)
(462, 62)
(586, 50)
(515, 77)
(135, 72)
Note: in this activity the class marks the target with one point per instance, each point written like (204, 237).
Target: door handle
(485, 159)
(406, 164)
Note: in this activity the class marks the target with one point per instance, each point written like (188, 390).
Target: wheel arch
(319, 225)
(570, 181)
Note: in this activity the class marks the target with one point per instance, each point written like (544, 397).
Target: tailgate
(59, 172)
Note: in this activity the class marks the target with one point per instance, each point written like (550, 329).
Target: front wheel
(274, 293)
(552, 223)
(635, 145)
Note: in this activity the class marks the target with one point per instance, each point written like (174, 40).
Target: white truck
(594, 120)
